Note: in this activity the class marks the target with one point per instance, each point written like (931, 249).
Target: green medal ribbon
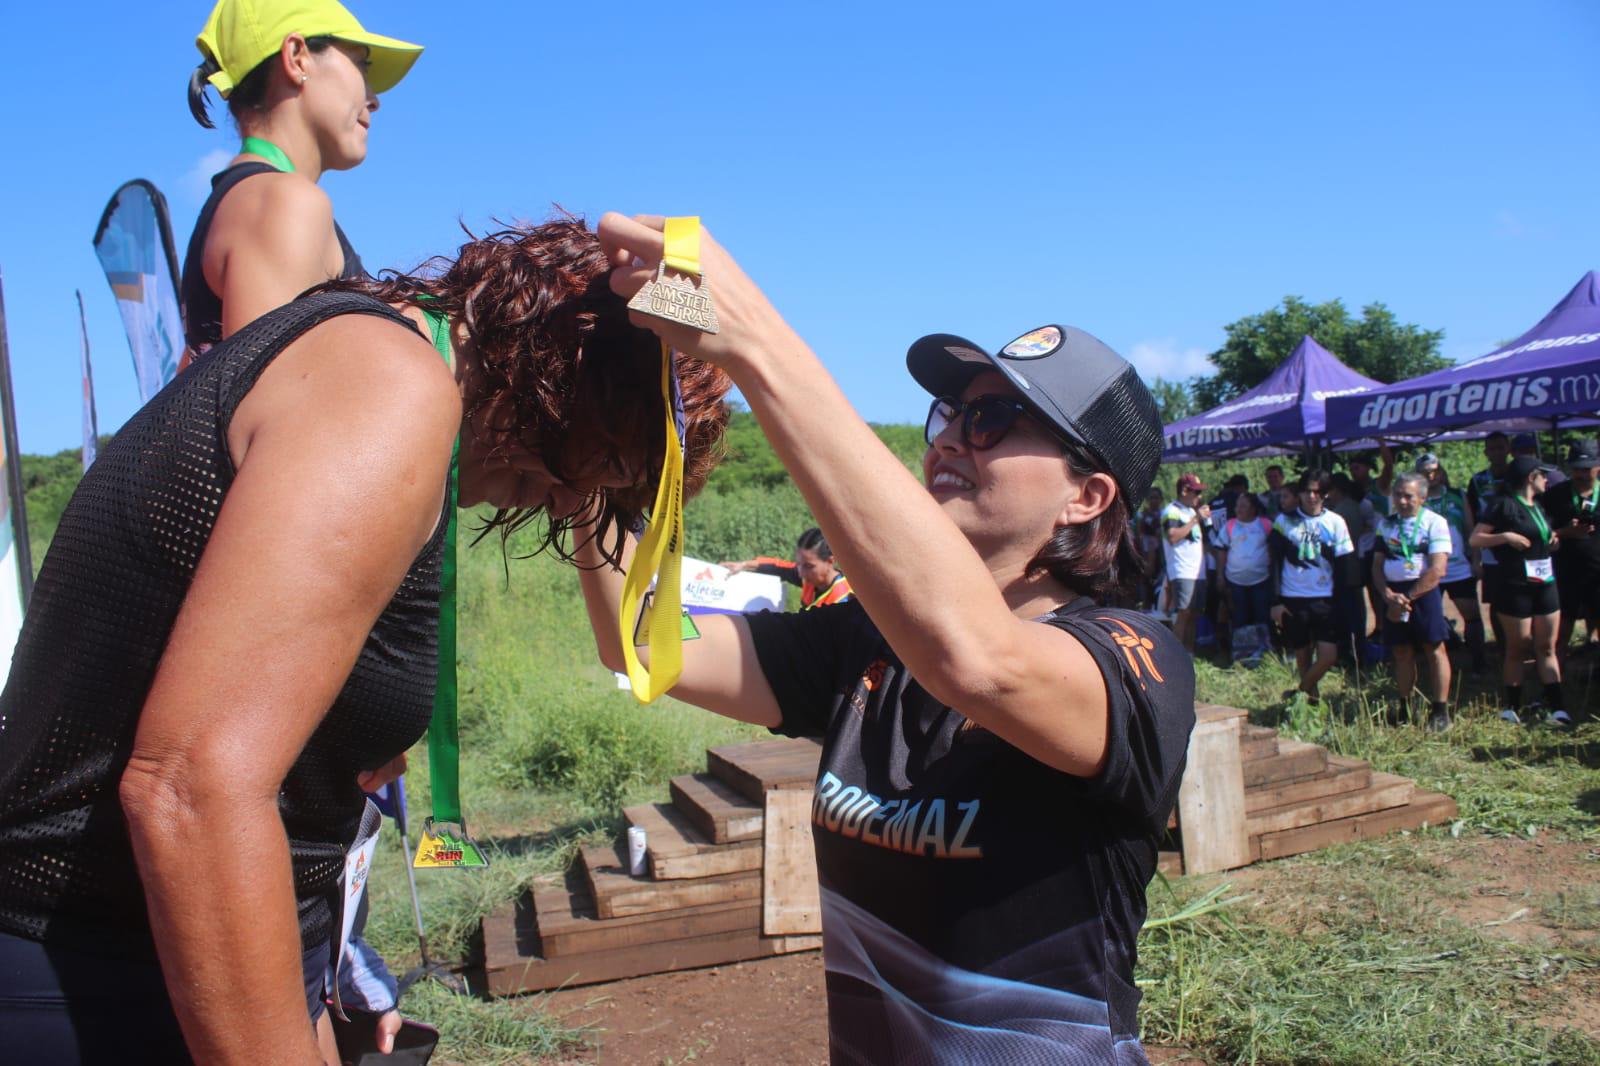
(268, 151)
(1540, 522)
(441, 848)
(1594, 500)
(1408, 548)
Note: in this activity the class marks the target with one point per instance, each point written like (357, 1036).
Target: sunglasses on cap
(985, 421)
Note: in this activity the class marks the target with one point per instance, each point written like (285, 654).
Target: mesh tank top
(202, 308)
(102, 610)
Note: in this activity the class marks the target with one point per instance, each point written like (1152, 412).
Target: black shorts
(1491, 581)
(1526, 599)
(1311, 620)
(1579, 592)
(1465, 589)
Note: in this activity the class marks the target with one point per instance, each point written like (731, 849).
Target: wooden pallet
(1425, 808)
(1342, 775)
(755, 768)
(677, 851)
(616, 894)
(717, 811)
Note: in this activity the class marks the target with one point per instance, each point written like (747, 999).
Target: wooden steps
(709, 878)
(719, 888)
(1298, 797)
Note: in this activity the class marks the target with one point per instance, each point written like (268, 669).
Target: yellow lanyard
(660, 554)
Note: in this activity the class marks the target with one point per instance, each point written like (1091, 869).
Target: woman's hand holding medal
(746, 321)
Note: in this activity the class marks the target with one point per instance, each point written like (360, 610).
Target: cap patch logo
(966, 355)
(1036, 345)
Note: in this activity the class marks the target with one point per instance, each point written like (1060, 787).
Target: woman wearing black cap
(1000, 753)
(1526, 601)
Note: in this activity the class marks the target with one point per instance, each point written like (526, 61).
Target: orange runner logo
(1136, 648)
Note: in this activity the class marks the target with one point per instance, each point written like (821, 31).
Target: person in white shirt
(1411, 554)
(1303, 543)
(1184, 521)
(1246, 566)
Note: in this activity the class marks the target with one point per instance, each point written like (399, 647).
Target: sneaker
(1399, 713)
(1439, 721)
(1533, 714)
(1560, 720)
(1508, 715)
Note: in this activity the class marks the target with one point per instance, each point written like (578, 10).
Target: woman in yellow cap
(301, 78)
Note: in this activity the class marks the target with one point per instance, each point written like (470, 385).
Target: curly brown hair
(562, 373)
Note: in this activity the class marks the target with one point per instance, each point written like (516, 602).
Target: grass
(1358, 969)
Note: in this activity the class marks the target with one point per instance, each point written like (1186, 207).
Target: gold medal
(680, 298)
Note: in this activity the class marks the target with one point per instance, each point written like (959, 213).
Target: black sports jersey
(1509, 514)
(1579, 557)
(979, 906)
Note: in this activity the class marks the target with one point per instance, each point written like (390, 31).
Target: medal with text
(678, 293)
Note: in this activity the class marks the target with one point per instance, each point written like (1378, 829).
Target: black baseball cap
(1522, 466)
(1584, 454)
(1068, 379)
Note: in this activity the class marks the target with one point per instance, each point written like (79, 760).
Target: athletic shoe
(1439, 721)
(1508, 715)
(1560, 720)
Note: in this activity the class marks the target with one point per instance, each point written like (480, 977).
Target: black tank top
(202, 308)
(103, 608)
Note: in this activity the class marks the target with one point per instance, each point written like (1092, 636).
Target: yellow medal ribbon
(660, 554)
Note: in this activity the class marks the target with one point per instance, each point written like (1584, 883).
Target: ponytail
(250, 92)
(199, 78)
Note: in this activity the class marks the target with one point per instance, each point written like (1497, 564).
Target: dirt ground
(771, 1012)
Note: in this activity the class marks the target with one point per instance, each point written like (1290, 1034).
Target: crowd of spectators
(1354, 566)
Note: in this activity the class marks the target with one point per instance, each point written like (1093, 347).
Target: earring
(302, 79)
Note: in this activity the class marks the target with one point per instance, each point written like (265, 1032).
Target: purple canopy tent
(1282, 415)
(1549, 375)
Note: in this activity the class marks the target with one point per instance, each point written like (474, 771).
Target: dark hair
(1495, 435)
(813, 540)
(565, 375)
(1238, 481)
(1254, 503)
(251, 91)
(1341, 481)
(1100, 558)
(1315, 477)
(1273, 467)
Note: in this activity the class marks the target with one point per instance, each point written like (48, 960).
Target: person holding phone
(239, 615)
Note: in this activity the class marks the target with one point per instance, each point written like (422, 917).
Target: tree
(1376, 345)
(1174, 399)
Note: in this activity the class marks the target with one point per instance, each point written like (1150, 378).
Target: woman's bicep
(721, 673)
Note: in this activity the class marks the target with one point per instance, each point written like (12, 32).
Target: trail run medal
(678, 293)
(441, 849)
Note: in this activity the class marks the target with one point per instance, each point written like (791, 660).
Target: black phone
(358, 1042)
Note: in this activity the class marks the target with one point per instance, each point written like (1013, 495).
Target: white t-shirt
(1249, 563)
(1310, 534)
(1406, 544)
(1185, 559)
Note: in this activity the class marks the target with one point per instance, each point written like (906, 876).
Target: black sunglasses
(985, 420)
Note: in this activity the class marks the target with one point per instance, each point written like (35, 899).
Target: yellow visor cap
(240, 34)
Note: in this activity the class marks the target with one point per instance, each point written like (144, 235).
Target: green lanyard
(1537, 514)
(1594, 499)
(268, 151)
(1408, 549)
(439, 848)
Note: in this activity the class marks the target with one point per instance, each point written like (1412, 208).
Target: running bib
(1539, 571)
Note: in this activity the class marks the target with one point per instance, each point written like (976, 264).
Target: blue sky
(886, 170)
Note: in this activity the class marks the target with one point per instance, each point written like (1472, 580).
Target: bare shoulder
(353, 379)
(288, 198)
